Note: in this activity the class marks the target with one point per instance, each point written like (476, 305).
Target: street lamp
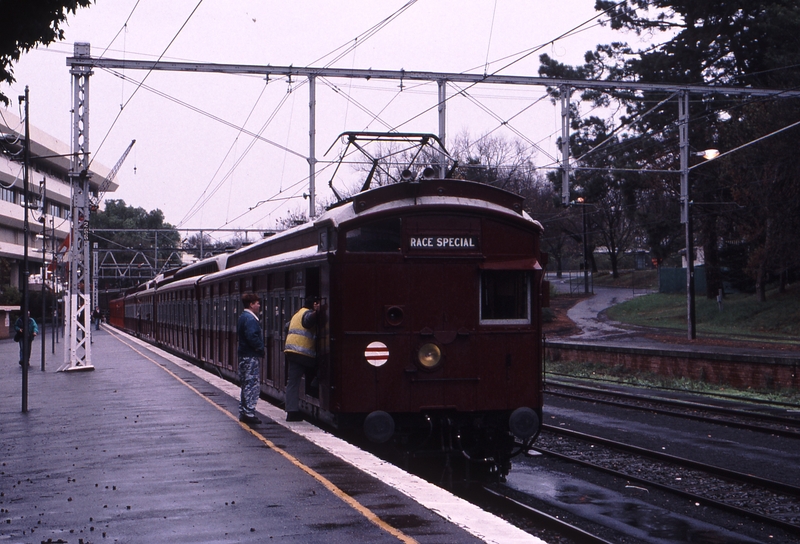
(686, 214)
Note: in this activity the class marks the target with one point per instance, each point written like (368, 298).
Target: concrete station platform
(148, 448)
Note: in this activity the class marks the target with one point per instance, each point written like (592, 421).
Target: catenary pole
(77, 352)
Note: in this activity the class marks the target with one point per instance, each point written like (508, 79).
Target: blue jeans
(249, 378)
(21, 346)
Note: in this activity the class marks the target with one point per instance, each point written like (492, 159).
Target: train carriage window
(505, 297)
(382, 236)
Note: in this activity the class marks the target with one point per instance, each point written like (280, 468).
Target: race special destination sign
(455, 243)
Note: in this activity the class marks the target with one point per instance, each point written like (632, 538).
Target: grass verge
(741, 315)
(620, 374)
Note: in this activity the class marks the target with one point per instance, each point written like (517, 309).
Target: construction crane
(94, 203)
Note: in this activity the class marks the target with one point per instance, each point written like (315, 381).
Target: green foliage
(749, 197)
(136, 247)
(10, 295)
(742, 315)
(26, 24)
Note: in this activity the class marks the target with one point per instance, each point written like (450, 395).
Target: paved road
(597, 329)
(587, 313)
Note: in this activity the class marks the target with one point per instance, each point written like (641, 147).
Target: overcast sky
(203, 173)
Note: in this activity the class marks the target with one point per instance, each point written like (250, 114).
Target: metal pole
(25, 291)
(43, 332)
(442, 83)
(54, 317)
(585, 252)
(686, 215)
(312, 139)
(564, 91)
(77, 350)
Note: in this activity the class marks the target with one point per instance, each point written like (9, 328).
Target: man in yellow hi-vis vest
(300, 352)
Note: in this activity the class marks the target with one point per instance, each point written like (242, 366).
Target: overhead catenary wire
(123, 106)
(206, 194)
(350, 94)
(356, 43)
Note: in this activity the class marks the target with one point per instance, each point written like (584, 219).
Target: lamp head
(708, 154)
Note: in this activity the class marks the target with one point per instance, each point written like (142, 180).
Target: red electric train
(431, 293)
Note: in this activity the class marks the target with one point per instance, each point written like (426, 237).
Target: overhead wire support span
(294, 71)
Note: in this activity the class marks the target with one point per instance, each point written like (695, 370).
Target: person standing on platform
(33, 330)
(300, 352)
(250, 351)
(96, 317)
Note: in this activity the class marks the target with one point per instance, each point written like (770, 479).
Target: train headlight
(429, 355)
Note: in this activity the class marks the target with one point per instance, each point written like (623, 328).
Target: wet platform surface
(148, 448)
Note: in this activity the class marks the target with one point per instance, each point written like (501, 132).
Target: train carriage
(431, 299)
(178, 326)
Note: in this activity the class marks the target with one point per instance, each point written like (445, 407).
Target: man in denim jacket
(250, 351)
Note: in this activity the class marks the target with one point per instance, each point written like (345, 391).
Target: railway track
(754, 420)
(497, 498)
(764, 501)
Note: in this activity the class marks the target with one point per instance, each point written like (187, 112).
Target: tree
(24, 25)
(139, 247)
(493, 160)
(205, 246)
(733, 42)
(544, 205)
(764, 185)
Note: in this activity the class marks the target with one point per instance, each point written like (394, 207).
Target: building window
(7, 194)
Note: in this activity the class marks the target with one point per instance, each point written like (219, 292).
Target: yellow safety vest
(300, 340)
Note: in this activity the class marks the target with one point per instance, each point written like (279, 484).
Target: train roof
(454, 193)
(304, 254)
(202, 267)
(177, 284)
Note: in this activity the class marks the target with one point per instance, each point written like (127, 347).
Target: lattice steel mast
(78, 356)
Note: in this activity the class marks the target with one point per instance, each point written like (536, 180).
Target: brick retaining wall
(735, 370)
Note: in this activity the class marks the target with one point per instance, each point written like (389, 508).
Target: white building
(49, 168)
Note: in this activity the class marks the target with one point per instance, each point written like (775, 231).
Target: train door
(235, 308)
(277, 319)
(223, 332)
(205, 334)
(294, 301)
(182, 322)
(194, 339)
(216, 311)
(264, 317)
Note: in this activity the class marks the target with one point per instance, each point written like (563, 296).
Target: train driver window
(505, 298)
(380, 236)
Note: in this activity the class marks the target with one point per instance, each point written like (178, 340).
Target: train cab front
(457, 394)
(440, 348)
